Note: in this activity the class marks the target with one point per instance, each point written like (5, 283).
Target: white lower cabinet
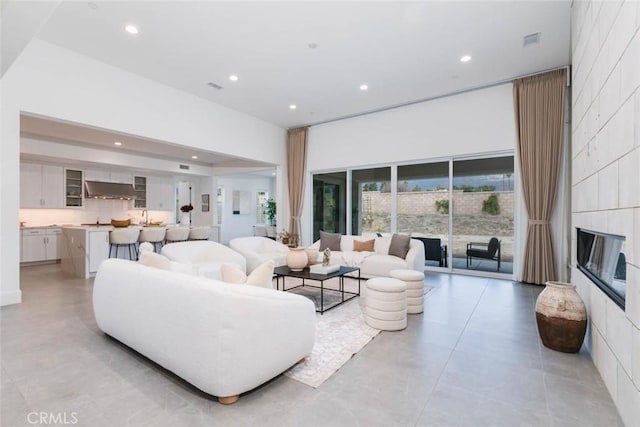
(40, 244)
(98, 249)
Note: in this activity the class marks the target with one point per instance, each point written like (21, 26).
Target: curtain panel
(297, 140)
(539, 111)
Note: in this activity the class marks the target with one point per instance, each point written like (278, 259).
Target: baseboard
(10, 297)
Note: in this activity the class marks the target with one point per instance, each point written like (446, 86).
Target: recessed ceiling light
(273, 173)
(364, 87)
(131, 29)
(465, 58)
(194, 157)
(233, 78)
(293, 106)
(118, 143)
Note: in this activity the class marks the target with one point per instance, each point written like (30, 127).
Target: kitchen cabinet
(98, 249)
(73, 188)
(160, 193)
(140, 185)
(41, 186)
(40, 244)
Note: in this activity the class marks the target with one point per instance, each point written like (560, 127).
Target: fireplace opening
(601, 257)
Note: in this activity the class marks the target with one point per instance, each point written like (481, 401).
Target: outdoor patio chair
(434, 251)
(489, 250)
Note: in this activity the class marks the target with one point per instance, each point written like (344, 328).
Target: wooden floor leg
(228, 400)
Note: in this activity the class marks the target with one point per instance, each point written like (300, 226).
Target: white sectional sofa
(204, 257)
(223, 338)
(257, 250)
(378, 263)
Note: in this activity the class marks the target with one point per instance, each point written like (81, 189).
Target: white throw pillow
(262, 276)
(152, 259)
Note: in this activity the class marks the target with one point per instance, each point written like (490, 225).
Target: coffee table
(284, 272)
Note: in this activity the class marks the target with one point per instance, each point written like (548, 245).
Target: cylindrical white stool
(415, 288)
(386, 304)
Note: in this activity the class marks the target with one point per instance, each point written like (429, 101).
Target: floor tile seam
(444, 366)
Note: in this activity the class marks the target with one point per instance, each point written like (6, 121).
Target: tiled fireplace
(605, 135)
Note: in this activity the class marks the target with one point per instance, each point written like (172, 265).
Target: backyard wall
(424, 202)
(605, 182)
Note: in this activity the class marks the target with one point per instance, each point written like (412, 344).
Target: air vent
(533, 38)
(215, 86)
(185, 167)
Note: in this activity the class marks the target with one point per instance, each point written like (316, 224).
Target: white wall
(606, 175)
(480, 121)
(233, 226)
(53, 82)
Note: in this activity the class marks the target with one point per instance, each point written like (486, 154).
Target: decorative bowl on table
(120, 222)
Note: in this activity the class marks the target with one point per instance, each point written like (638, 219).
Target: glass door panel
(483, 205)
(423, 208)
(371, 201)
(329, 203)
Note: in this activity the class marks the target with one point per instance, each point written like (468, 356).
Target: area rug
(340, 333)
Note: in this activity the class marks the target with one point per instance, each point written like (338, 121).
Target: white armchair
(204, 256)
(257, 250)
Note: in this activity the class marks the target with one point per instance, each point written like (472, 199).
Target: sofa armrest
(416, 256)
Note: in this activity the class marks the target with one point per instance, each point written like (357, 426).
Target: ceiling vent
(215, 86)
(184, 167)
(529, 39)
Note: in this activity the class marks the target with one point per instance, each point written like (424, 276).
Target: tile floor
(472, 359)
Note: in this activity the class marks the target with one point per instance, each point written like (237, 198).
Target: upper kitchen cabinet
(140, 185)
(73, 188)
(41, 186)
(160, 193)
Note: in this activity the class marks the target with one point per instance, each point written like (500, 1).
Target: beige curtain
(539, 108)
(297, 168)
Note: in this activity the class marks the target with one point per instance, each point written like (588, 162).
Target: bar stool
(154, 235)
(176, 234)
(199, 233)
(124, 237)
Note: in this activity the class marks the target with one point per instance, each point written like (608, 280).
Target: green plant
(491, 205)
(270, 210)
(442, 206)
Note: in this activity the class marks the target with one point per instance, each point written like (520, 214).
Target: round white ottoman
(386, 304)
(415, 288)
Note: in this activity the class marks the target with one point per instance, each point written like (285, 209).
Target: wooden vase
(562, 317)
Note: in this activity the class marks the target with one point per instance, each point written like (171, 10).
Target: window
(261, 201)
(371, 200)
(329, 203)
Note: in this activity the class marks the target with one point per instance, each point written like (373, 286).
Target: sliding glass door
(461, 209)
(423, 207)
(483, 214)
(371, 201)
(329, 203)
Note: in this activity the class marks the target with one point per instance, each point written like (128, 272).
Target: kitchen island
(84, 247)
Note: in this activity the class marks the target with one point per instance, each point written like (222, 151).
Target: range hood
(109, 190)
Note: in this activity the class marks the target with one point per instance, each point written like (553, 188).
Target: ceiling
(403, 51)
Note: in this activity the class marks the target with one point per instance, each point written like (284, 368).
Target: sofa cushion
(399, 245)
(330, 240)
(152, 259)
(262, 276)
(366, 246)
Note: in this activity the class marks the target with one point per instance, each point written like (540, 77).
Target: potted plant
(270, 211)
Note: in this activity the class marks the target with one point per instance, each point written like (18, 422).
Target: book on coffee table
(324, 269)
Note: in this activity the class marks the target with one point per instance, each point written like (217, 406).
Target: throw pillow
(366, 246)
(399, 245)
(152, 259)
(262, 276)
(330, 240)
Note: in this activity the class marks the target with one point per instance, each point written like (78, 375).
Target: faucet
(145, 214)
